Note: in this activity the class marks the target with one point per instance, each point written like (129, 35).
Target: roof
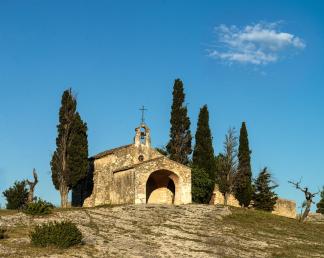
(108, 152)
(136, 165)
(147, 161)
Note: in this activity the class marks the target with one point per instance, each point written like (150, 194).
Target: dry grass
(4, 212)
(169, 231)
(288, 237)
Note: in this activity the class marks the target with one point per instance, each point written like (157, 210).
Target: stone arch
(162, 186)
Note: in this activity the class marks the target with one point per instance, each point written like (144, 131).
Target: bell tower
(142, 133)
(142, 136)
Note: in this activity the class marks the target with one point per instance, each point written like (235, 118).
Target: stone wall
(161, 196)
(315, 217)
(123, 187)
(120, 176)
(286, 208)
(218, 198)
(283, 207)
(106, 186)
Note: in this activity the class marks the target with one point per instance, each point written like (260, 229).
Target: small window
(140, 157)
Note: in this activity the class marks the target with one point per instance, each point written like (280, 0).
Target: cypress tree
(78, 150)
(70, 159)
(243, 180)
(219, 170)
(203, 154)
(264, 198)
(320, 204)
(179, 146)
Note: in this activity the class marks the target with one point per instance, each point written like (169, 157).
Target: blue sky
(257, 61)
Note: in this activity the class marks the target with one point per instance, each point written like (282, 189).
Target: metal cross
(143, 109)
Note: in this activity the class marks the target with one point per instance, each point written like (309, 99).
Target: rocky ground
(170, 231)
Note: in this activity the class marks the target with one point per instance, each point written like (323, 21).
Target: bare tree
(229, 165)
(32, 186)
(308, 196)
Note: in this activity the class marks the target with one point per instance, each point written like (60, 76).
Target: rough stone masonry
(138, 174)
(283, 207)
(134, 174)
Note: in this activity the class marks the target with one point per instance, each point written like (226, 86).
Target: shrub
(3, 233)
(60, 234)
(16, 195)
(202, 185)
(40, 207)
(320, 204)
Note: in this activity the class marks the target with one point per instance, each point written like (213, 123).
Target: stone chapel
(133, 174)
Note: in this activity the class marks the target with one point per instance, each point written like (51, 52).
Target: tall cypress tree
(243, 188)
(203, 154)
(70, 159)
(78, 151)
(179, 146)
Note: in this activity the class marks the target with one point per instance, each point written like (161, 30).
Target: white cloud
(257, 44)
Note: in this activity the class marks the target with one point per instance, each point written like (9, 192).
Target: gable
(110, 151)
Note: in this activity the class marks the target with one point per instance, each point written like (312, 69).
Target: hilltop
(170, 231)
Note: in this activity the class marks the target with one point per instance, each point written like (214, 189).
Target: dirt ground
(169, 231)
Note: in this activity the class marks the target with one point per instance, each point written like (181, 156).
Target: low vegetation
(60, 234)
(4, 212)
(40, 207)
(284, 237)
(3, 233)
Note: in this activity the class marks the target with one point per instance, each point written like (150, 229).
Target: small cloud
(258, 44)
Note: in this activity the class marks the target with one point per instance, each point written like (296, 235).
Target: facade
(133, 174)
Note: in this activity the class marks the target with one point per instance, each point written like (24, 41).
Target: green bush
(60, 234)
(40, 207)
(3, 233)
(202, 185)
(16, 196)
(320, 204)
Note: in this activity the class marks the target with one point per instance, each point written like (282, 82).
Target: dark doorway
(160, 187)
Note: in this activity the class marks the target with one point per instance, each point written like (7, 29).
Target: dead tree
(308, 196)
(229, 165)
(32, 187)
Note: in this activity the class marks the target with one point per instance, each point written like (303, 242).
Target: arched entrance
(162, 187)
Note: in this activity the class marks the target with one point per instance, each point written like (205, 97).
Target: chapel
(133, 174)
